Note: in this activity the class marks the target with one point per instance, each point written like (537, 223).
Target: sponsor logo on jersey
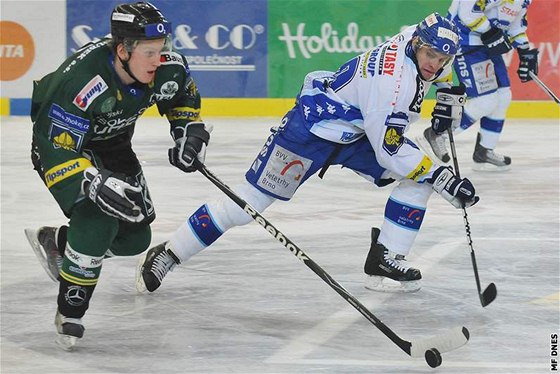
(84, 51)
(421, 169)
(387, 59)
(484, 76)
(371, 63)
(183, 112)
(167, 90)
(463, 71)
(65, 170)
(68, 120)
(283, 172)
(509, 12)
(171, 58)
(90, 92)
(418, 99)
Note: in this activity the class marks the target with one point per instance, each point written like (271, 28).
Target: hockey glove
(528, 61)
(459, 192)
(190, 142)
(448, 108)
(496, 41)
(113, 194)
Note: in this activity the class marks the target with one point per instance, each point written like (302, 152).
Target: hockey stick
(431, 347)
(544, 87)
(490, 292)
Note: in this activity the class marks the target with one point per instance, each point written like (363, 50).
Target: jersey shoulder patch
(171, 58)
(93, 89)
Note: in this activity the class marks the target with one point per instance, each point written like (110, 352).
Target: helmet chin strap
(127, 69)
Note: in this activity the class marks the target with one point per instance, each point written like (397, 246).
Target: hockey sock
(211, 220)
(404, 213)
(78, 277)
(490, 130)
(73, 299)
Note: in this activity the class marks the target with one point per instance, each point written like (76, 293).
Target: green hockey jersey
(82, 115)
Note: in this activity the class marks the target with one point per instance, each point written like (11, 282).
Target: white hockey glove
(449, 108)
(528, 61)
(459, 192)
(190, 143)
(496, 41)
(112, 194)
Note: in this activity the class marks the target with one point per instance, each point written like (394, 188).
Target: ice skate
(486, 159)
(434, 145)
(43, 242)
(69, 330)
(154, 266)
(388, 272)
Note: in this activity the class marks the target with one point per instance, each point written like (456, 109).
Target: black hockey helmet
(138, 21)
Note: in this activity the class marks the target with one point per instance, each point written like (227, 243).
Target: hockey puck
(433, 357)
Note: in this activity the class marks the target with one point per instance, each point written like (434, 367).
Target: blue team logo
(67, 130)
(396, 124)
(393, 139)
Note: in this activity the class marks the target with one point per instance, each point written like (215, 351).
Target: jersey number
(345, 74)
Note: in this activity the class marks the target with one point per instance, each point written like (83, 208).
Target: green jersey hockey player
(84, 115)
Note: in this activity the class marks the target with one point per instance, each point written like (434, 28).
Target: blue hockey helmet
(439, 33)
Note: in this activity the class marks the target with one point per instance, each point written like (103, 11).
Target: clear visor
(433, 52)
(132, 44)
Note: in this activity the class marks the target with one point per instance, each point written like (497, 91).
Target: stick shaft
(465, 217)
(301, 255)
(544, 87)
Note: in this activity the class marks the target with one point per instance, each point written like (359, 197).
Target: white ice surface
(247, 305)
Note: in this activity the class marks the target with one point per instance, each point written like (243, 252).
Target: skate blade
(140, 285)
(39, 252)
(425, 146)
(66, 342)
(384, 284)
(487, 167)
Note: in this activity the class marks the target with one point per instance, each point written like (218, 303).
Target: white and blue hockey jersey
(379, 94)
(474, 17)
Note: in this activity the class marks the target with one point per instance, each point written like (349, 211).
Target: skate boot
(69, 331)
(388, 272)
(486, 159)
(154, 266)
(434, 144)
(44, 244)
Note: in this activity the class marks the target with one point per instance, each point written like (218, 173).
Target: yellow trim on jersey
(79, 281)
(65, 170)
(481, 4)
(477, 23)
(421, 169)
(447, 79)
(183, 112)
(520, 35)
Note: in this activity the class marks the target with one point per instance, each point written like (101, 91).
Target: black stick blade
(488, 295)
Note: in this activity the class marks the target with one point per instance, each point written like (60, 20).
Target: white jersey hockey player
(487, 30)
(355, 117)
